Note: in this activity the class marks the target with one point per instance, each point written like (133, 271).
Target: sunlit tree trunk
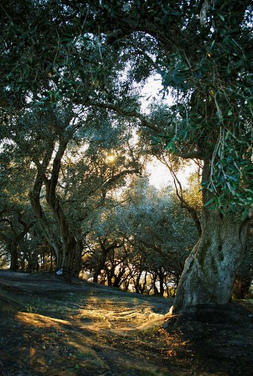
(210, 270)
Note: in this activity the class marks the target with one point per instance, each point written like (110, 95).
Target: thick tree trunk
(68, 249)
(72, 251)
(13, 247)
(210, 270)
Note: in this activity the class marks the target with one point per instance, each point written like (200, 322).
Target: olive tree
(202, 49)
(62, 90)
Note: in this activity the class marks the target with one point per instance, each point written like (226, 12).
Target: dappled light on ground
(52, 328)
(118, 317)
(39, 321)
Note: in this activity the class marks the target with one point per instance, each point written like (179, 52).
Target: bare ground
(49, 327)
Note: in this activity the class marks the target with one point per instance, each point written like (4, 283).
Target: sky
(152, 90)
(160, 176)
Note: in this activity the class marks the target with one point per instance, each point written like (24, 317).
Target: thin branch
(180, 194)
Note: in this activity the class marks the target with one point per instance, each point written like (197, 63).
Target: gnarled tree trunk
(68, 249)
(210, 270)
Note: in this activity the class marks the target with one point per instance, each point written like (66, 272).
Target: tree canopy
(70, 108)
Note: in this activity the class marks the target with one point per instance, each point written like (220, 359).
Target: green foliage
(143, 231)
(208, 65)
(68, 83)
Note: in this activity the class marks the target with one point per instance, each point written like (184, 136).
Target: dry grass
(52, 329)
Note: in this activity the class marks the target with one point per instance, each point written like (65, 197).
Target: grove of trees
(75, 140)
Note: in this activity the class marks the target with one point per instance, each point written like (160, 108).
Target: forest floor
(49, 327)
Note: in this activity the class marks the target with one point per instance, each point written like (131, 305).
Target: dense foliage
(71, 116)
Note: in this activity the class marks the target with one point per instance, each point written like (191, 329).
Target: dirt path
(52, 328)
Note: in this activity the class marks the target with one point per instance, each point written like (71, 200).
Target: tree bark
(67, 247)
(70, 259)
(210, 270)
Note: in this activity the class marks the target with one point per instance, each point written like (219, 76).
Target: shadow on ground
(49, 327)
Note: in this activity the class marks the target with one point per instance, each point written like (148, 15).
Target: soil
(53, 328)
